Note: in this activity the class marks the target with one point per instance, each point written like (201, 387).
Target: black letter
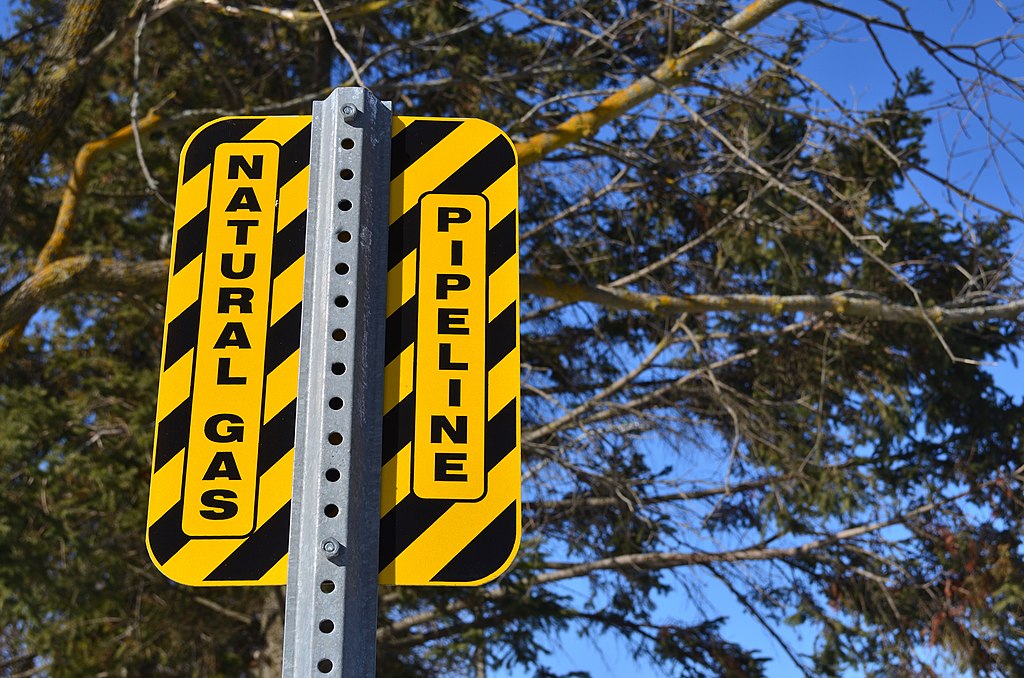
(452, 321)
(221, 501)
(451, 215)
(227, 268)
(235, 296)
(445, 463)
(223, 466)
(243, 226)
(233, 335)
(223, 373)
(253, 171)
(444, 361)
(439, 424)
(234, 433)
(244, 199)
(451, 282)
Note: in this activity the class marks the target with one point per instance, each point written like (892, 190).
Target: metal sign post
(331, 613)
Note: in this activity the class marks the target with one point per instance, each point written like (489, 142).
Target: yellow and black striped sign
(450, 494)
(221, 488)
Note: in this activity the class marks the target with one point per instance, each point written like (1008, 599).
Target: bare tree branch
(843, 303)
(671, 73)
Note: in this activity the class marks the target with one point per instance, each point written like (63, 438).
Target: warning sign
(220, 498)
(222, 465)
(450, 496)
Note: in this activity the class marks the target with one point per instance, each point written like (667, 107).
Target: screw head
(331, 546)
(349, 112)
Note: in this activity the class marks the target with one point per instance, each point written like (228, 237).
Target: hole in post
(347, 174)
(331, 511)
(327, 586)
(332, 474)
(341, 301)
(344, 236)
(324, 665)
(338, 368)
(334, 438)
(336, 403)
(348, 144)
(344, 205)
(338, 334)
(326, 626)
(341, 269)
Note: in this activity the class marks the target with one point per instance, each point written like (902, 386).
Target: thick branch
(670, 73)
(289, 16)
(78, 274)
(296, 16)
(77, 182)
(840, 303)
(36, 118)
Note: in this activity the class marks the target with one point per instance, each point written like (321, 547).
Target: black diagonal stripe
(182, 334)
(294, 156)
(397, 428)
(165, 535)
(473, 178)
(501, 336)
(486, 553)
(501, 242)
(283, 338)
(289, 245)
(277, 437)
(201, 149)
(404, 523)
(190, 240)
(500, 435)
(172, 434)
(403, 236)
(400, 330)
(482, 170)
(413, 142)
(258, 553)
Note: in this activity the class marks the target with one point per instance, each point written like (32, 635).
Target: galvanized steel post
(331, 613)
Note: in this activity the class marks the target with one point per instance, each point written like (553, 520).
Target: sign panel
(219, 503)
(222, 470)
(450, 494)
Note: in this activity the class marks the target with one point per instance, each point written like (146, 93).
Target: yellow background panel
(175, 386)
(401, 284)
(185, 289)
(287, 290)
(191, 198)
(395, 478)
(294, 198)
(503, 385)
(275, 488)
(166, 488)
(282, 387)
(398, 378)
(503, 195)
